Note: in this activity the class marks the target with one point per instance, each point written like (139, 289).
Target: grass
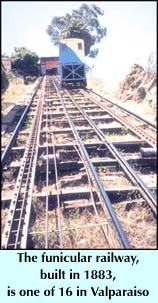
(21, 139)
(138, 222)
(120, 136)
(4, 213)
(98, 86)
(71, 219)
(11, 76)
(15, 91)
(29, 122)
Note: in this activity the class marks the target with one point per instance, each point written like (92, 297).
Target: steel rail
(16, 228)
(123, 238)
(37, 123)
(57, 187)
(108, 238)
(149, 139)
(15, 132)
(109, 241)
(93, 201)
(47, 181)
(124, 109)
(58, 194)
(124, 164)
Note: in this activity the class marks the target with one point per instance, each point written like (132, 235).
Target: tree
(82, 23)
(25, 61)
(4, 80)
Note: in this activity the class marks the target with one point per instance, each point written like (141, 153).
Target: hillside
(15, 92)
(138, 92)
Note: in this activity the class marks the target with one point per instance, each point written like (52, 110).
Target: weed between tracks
(122, 136)
(74, 232)
(134, 214)
(4, 213)
(21, 139)
(113, 179)
(138, 222)
(29, 122)
(91, 237)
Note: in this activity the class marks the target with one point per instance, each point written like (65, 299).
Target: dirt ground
(16, 90)
(140, 107)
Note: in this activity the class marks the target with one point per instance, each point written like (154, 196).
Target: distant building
(6, 63)
(48, 65)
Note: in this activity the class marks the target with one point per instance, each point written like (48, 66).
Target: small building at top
(71, 50)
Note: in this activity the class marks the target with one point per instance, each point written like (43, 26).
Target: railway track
(141, 127)
(65, 175)
(16, 228)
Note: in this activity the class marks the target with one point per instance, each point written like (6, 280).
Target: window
(80, 45)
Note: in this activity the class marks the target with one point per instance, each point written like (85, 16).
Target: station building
(48, 65)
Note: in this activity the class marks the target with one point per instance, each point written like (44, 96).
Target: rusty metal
(100, 189)
(16, 228)
(124, 164)
(56, 178)
(54, 100)
(126, 120)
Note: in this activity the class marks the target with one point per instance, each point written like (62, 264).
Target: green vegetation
(11, 75)
(25, 62)
(29, 122)
(82, 23)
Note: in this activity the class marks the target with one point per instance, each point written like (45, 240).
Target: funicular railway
(79, 166)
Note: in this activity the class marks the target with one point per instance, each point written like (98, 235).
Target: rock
(130, 79)
(152, 84)
(141, 93)
(129, 97)
(129, 206)
(139, 86)
(138, 82)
